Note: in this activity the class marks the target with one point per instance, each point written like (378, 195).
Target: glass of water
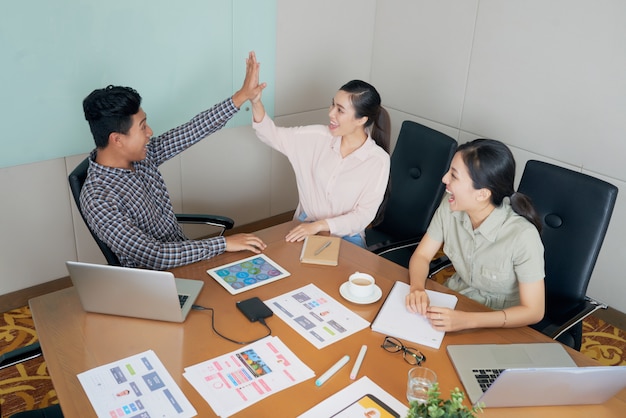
(420, 379)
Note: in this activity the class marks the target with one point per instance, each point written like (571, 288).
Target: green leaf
(438, 408)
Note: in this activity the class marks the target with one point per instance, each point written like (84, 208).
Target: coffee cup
(361, 285)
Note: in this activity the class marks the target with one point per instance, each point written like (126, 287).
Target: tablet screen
(248, 273)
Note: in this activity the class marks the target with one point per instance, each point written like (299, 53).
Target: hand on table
(303, 230)
(241, 242)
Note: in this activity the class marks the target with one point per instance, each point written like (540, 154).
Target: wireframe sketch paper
(315, 315)
(395, 320)
(138, 385)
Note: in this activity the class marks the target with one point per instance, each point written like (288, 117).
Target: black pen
(322, 248)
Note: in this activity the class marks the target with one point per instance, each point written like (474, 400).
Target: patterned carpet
(27, 386)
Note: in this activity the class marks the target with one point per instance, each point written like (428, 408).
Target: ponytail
(523, 206)
(381, 129)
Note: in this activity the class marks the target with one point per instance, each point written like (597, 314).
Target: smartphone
(368, 406)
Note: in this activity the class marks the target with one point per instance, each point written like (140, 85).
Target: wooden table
(74, 341)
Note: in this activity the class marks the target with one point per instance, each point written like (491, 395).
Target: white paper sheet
(347, 396)
(396, 321)
(135, 386)
(319, 318)
(236, 380)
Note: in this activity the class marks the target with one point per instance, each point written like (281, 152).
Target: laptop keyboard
(485, 377)
(182, 299)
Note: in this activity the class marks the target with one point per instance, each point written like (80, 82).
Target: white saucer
(345, 293)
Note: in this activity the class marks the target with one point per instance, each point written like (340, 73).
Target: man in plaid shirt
(125, 200)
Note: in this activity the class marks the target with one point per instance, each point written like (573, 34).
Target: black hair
(366, 102)
(491, 165)
(110, 110)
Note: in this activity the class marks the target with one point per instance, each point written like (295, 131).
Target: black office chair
(20, 355)
(420, 159)
(575, 210)
(77, 179)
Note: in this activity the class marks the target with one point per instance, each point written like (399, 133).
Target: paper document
(395, 320)
(137, 386)
(319, 318)
(362, 398)
(236, 380)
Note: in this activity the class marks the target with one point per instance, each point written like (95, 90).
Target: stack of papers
(236, 380)
(395, 320)
(137, 386)
(319, 318)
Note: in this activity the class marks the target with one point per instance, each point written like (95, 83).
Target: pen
(322, 248)
(357, 363)
(334, 369)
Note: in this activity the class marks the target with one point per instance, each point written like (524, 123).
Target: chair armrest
(213, 220)
(582, 311)
(384, 247)
(388, 246)
(438, 264)
(19, 355)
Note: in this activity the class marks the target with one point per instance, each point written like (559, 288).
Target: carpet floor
(27, 386)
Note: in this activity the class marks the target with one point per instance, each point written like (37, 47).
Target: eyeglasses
(411, 355)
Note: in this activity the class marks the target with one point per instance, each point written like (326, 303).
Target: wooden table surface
(74, 341)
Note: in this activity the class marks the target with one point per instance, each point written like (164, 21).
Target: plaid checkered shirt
(131, 211)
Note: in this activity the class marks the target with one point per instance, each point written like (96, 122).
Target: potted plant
(438, 408)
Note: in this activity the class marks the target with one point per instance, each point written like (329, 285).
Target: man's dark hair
(110, 110)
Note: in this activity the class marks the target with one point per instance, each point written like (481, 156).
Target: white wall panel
(228, 174)
(421, 54)
(397, 117)
(549, 77)
(320, 45)
(36, 224)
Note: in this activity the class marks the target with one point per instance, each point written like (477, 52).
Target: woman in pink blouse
(342, 168)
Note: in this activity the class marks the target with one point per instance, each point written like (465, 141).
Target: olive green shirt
(492, 259)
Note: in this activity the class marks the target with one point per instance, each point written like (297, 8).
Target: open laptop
(504, 375)
(133, 292)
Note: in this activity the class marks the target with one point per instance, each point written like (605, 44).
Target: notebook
(320, 249)
(506, 375)
(395, 320)
(133, 292)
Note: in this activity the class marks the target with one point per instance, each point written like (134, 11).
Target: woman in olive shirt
(491, 235)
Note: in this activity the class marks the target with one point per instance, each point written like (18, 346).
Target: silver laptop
(504, 375)
(133, 292)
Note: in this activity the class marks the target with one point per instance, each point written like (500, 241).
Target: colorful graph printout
(248, 273)
(236, 380)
